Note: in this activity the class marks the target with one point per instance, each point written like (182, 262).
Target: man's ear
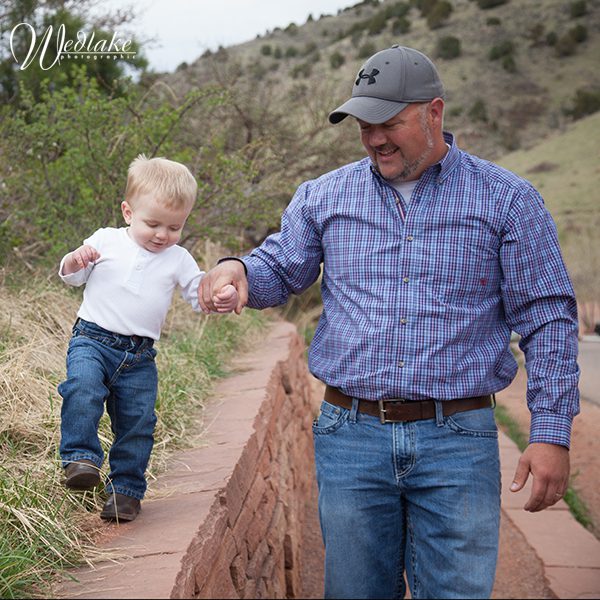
(436, 109)
(127, 212)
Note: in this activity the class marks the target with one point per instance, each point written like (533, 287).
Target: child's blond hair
(170, 182)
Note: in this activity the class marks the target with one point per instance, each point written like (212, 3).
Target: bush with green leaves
(487, 4)
(448, 47)
(336, 60)
(367, 50)
(266, 50)
(579, 33)
(578, 9)
(565, 45)
(400, 26)
(503, 48)
(585, 102)
(439, 14)
(64, 161)
(478, 111)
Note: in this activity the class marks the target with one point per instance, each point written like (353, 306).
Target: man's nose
(376, 136)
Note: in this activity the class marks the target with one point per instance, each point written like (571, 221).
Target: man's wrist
(234, 258)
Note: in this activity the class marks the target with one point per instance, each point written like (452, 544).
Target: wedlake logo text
(84, 47)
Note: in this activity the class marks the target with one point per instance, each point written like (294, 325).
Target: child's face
(152, 225)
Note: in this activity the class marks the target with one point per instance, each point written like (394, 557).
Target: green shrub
(400, 26)
(565, 46)
(291, 29)
(277, 53)
(302, 70)
(509, 64)
(579, 33)
(291, 52)
(486, 4)
(504, 48)
(425, 6)
(585, 103)
(266, 50)
(377, 24)
(448, 47)
(439, 14)
(578, 9)
(309, 48)
(478, 112)
(493, 21)
(551, 38)
(367, 50)
(336, 60)
(399, 9)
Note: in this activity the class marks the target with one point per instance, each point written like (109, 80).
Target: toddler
(130, 274)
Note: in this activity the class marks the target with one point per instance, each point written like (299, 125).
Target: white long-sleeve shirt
(129, 289)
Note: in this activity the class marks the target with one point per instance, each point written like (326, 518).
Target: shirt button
(138, 267)
(401, 363)
(405, 279)
(410, 238)
(403, 321)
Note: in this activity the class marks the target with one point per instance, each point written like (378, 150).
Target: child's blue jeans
(119, 370)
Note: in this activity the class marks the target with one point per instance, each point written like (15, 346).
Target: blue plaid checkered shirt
(419, 299)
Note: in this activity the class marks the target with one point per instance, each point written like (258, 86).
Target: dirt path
(585, 445)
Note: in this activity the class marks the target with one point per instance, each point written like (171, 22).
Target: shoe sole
(83, 481)
(112, 516)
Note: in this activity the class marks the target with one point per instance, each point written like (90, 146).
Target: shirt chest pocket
(462, 273)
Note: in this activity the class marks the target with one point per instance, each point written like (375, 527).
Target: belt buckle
(382, 411)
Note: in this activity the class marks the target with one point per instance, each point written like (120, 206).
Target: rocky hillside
(513, 69)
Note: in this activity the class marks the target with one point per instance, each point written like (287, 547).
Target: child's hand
(80, 259)
(226, 299)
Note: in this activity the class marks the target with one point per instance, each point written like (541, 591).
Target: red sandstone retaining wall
(249, 545)
(226, 519)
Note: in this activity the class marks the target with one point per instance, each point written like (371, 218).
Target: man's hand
(549, 465)
(229, 272)
(80, 259)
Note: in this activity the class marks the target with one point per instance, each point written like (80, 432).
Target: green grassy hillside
(565, 167)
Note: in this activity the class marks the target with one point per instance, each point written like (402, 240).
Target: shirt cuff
(550, 428)
(75, 279)
(233, 258)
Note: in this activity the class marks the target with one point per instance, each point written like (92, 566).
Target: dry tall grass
(44, 528)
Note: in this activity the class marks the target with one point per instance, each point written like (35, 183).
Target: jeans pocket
(476, 423)
(330, 419)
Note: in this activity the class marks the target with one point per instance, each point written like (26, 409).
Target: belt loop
(493, 401)
(439, 413)
(354, 410)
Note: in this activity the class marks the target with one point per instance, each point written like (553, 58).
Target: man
(431, 256)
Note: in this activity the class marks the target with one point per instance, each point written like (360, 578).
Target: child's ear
(127, 212)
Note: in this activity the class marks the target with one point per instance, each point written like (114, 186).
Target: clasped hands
(224, 288)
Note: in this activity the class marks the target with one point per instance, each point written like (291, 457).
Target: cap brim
(370, 110)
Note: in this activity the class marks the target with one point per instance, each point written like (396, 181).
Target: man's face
(402, 147)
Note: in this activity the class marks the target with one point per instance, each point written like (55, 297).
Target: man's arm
(540, 305)
(286, 263)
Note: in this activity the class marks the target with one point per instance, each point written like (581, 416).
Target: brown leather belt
(397, 410)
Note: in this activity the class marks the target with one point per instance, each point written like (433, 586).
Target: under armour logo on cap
(395, 78)
(370, 76)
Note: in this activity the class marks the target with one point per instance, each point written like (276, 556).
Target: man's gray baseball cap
(387, 83)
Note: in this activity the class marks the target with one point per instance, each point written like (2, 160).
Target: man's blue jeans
(421, 498)
(119, 370)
